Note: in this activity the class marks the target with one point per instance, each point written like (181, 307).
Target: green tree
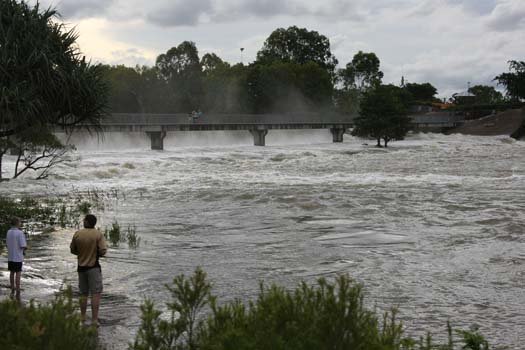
(514, 80)
(425, 92)
(298, 45)
(210, 63)
(362, 73)
(137, 90)
(484, 94)
(125, 89)
(383, 115)
(181, 68)
(44, 80)
(288, 87)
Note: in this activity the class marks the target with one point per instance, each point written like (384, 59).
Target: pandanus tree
(45, 81)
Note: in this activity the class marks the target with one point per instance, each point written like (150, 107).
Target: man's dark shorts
(90, 281)
(14, 266)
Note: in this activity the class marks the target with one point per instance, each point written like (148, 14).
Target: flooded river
(434, 224)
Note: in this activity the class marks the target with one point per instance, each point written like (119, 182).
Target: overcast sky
(445, 42)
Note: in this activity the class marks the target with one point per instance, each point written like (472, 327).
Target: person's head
(16, 222)
(90, 221)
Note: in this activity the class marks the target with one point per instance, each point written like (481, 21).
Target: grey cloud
(181, 13)
(82, 9)
(479, 7)
(189, 13)
(508, 15)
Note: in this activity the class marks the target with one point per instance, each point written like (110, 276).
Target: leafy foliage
(54, 326)
(116, 235)
(425, 92)
(383, 115)
(288, 87)
(514, 80)
(486, 95)
(362, 73)
(189, 296)
(297, 45)
(328, 315)
(180, 68)
(44, 80)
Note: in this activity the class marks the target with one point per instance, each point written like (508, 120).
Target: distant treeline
(294, 71)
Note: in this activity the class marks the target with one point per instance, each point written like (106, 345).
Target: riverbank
(510, 123)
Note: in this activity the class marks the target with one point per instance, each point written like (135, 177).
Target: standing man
(16, 246)
(89, 244)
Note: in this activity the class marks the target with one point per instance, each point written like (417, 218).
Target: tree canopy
(362, 73)
(484, 94)
(181, 68)
(425, 92)
(383, 115)
(297, 45)
(514, 80)
(44, 79)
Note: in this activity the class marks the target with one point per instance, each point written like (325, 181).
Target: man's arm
(73, 246)
(102, 247)
(22, 240)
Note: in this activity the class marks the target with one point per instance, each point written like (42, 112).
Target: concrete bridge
(157, 125)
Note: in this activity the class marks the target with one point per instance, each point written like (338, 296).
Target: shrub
(132, 238)
(328, 315)
(189, 296)
(113, 234)
(54, 326)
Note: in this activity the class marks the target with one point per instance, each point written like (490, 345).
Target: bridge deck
(156, 125)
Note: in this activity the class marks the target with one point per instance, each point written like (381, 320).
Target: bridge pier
(337, 134)
(157, 139)
(259, 136)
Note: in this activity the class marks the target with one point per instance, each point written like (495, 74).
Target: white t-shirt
(16, 240)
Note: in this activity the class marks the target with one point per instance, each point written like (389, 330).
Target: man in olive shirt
(89, 244)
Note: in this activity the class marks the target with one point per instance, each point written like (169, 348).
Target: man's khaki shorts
(90, 281)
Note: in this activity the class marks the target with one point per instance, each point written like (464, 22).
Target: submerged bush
(54, 326)
(328, 315)
(131, 237)
(115, 235)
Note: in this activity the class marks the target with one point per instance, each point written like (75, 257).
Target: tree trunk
(378, 142)
(386, 141)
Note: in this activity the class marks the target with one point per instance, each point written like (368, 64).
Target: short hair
(90, 220)
(15, 221)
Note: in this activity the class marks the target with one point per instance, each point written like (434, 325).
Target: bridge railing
(258, 119)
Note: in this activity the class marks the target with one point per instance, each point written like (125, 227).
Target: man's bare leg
(95, 303)
(83, 307)
(12, 281)
(18, 275)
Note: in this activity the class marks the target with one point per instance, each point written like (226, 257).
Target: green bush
(115, 235)
(328, 315)
(54, 326)
(131, 237)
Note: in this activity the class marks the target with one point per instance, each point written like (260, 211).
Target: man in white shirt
(16, 246)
